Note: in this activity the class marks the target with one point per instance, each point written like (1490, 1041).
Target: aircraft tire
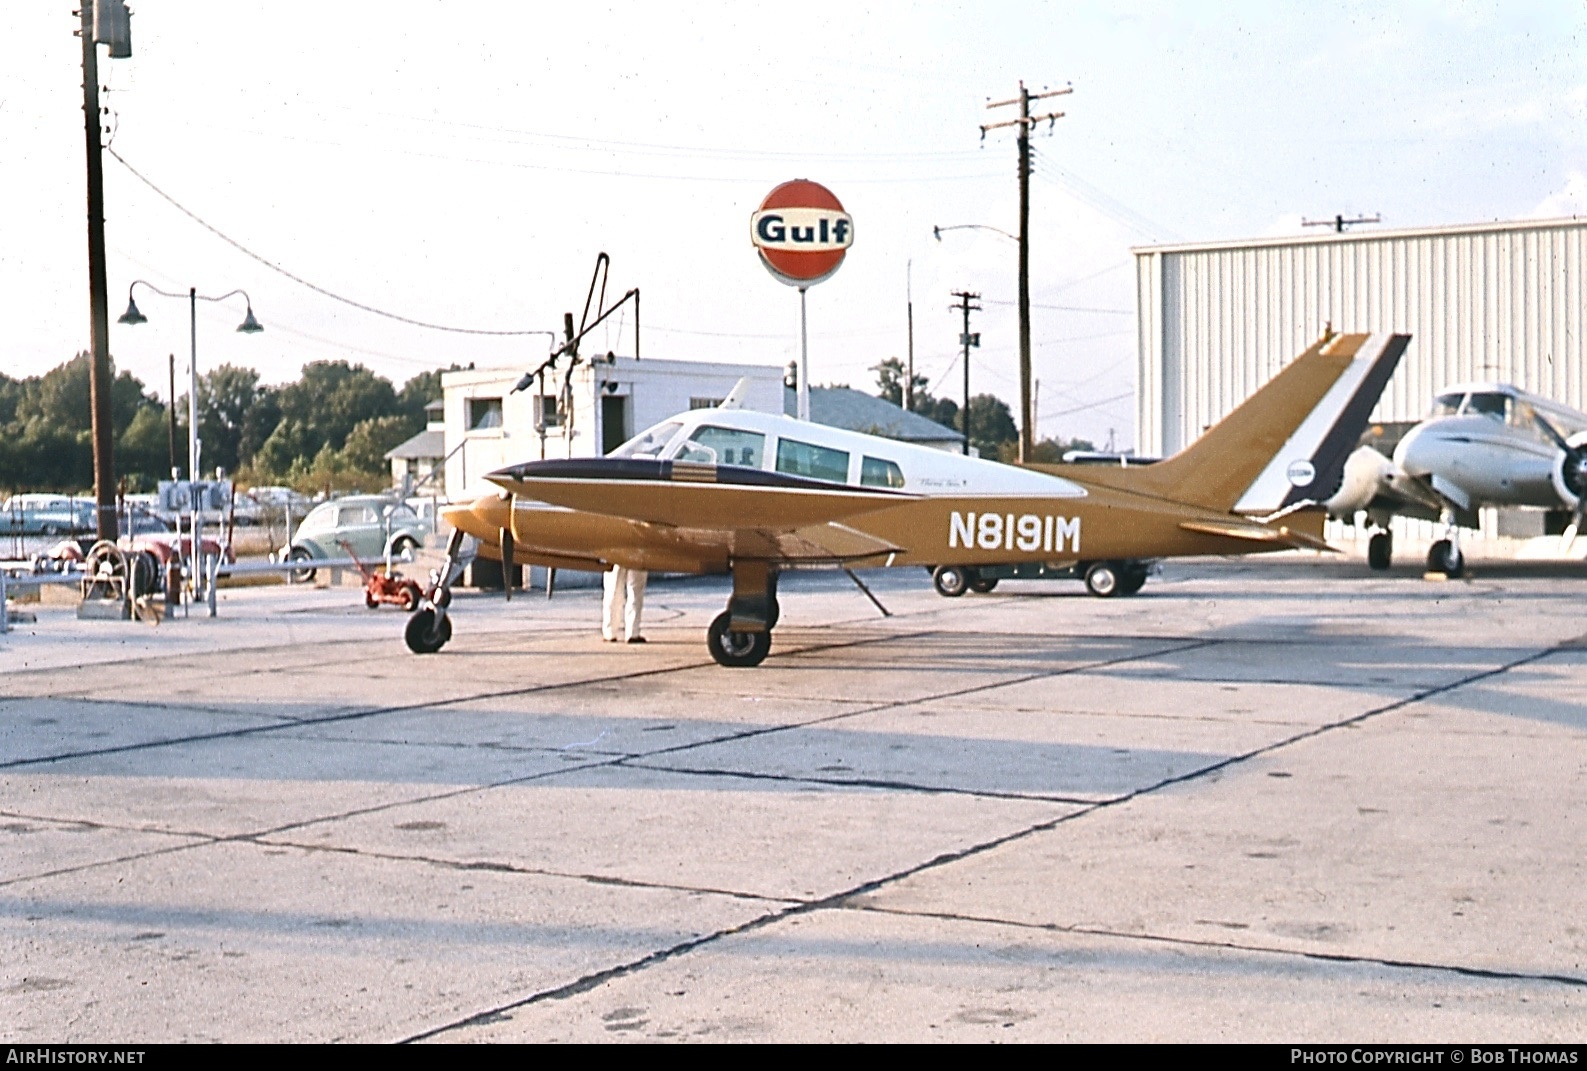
(1445, 557)
(1103, 579)
(951, 581)
(1380, 551)
(425, 635)
(1133, 578)
(983, 584)
(370, 600)
(736, 649)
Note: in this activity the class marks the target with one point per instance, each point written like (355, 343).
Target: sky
(462, 164)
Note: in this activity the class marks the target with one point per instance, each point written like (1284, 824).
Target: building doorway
(614, 422)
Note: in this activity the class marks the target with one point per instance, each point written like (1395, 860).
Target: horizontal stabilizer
(1259, 533)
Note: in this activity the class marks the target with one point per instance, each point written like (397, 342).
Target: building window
(705, 403)
(807, 459)
(546, 408)
(484, 414)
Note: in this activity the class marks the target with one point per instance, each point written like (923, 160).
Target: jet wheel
(737, 649)
(425, 634)
(983, 584)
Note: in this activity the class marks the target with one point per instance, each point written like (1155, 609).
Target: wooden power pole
(1027, 440)
(966, 340)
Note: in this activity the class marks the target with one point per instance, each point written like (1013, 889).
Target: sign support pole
(804, 361)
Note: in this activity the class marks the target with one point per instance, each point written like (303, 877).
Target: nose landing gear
(430, 627)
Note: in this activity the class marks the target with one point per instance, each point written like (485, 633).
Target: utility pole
(909, 373)
(99, 305)
(966, 340)
(1339, 223)
(1027, 441)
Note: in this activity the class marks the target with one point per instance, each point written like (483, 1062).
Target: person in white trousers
(623, 601)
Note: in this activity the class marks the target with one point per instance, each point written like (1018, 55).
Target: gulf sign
(801, 232)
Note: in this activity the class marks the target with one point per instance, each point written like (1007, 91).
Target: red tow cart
(385, 585)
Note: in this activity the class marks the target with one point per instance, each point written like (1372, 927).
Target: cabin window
(711, 445)
(484, 414)
(1488, 404)
(878, 472)
(650, 442)
(817, 462)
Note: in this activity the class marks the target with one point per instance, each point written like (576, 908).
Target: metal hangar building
(1502, 302)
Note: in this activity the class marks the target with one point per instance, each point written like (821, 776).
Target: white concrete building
(606, 401)
(1491, 301)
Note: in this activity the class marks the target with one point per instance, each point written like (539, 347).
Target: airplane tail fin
(1285, 445)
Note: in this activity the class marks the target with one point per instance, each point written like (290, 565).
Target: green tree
(890, 375)
(225, 396)
(367, 443)
(992, 426)
(332, 397)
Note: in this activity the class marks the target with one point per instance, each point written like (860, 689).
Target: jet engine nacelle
(1366, 471)
(1569, 475)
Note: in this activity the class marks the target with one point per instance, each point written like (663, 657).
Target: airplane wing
(679, 494)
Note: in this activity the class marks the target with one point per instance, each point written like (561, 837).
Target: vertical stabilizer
(1284, 445)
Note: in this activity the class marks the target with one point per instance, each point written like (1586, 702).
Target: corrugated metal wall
(1499, 302)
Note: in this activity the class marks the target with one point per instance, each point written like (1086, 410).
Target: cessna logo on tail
(1009, 531)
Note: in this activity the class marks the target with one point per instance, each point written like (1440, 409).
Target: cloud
(1569, 200)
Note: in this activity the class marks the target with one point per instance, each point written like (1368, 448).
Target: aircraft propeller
(507, 563)
(1573, 474)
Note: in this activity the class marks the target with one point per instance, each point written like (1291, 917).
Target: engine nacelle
(1366, 472)
(1569, 474)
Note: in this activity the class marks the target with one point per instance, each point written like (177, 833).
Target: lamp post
(249, 326)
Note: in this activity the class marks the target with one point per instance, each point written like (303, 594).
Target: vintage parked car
(44, 514)
(368, 524)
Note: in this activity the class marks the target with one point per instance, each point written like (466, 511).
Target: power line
(1064, 308)
(298, 278)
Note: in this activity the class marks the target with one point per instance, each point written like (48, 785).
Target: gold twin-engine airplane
(729, 491)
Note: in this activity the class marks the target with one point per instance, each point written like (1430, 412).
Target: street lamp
(249, 326)
(937, 231)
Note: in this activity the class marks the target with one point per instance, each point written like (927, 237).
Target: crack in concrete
(1493, 973)
(842, 900)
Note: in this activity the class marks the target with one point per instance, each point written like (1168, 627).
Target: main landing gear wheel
(1132, 578)
(1380, 551)
(426, 632)
(951, 581)
(983, 584)
(1105, 580)
(1445, 557)
(737, 649)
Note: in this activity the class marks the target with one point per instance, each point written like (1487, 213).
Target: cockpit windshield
(1488, 404)
(650, 442)
(1447, 404)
